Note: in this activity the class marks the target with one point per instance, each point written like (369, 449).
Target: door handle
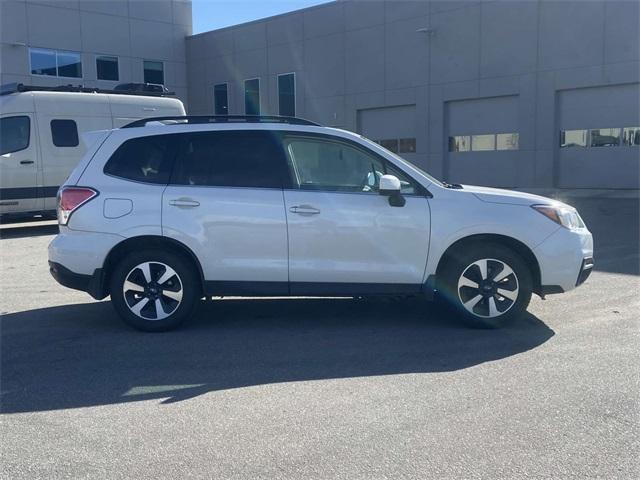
(184, 202)
(26, 162)
(304, 210)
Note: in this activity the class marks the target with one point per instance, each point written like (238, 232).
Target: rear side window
(64, 133)
(144, 159)
(231, 159)
(14, 134)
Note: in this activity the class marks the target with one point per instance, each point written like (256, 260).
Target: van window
(231, 159)
(144, 159)
(14, 134)
(64, 133)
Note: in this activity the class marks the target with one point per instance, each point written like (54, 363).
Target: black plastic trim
(21, 193)
(349, 289)
(312, 289)
(585, 270)
(92, 284)
(550, 289)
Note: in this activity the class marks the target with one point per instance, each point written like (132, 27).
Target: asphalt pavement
(318, 388)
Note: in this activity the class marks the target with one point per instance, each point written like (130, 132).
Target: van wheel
(154, 290)
(488, 286)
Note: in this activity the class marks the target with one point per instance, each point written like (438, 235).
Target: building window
(600, 137)
(573, 138)
(107, 68)
(605, 137)
(55, 63)
(153, 72)
(483, 143)
(390, 144)
(64, 133)
(460, 143)
(398, 145)
(407, 145)
(507, 141)
(631, 136)
(220, 99)
(252, 96)
(287, 94)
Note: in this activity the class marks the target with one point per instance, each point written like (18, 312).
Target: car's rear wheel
(154, 290)
(488, 285)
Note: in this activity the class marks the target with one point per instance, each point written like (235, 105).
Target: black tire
(186, 282)
(504, 309)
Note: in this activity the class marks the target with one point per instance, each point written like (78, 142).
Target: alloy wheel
(152, 290)
(488, 288)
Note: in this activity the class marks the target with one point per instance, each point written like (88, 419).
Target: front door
(225, 203)
(344, 237)
(19, 191)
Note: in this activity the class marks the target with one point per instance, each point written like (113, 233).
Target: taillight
(70, 199)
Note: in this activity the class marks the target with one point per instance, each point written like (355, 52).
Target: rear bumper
(92, 284)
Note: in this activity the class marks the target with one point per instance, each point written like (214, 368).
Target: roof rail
(146, 90)
(199, 119)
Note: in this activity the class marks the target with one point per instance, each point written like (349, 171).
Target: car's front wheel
(488, 285)
(154, 290)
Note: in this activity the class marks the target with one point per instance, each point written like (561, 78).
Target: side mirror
(390, 187)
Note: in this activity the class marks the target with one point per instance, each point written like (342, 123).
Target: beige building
(95, 43)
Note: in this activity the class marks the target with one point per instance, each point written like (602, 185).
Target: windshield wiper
(455, 186)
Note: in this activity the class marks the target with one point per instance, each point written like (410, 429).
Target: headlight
(567, 217)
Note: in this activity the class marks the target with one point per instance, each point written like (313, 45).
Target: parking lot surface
(317, 388)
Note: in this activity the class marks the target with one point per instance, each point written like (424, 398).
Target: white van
(41, 136)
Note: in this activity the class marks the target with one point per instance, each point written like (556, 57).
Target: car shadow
(81, 355)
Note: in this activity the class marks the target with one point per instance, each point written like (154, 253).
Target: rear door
(19, 191)
(225, 202)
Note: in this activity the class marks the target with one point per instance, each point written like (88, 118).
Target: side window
(14, 134)
(407, 187)
(323, 164)
(231, 159)
(64, 133)
(144, 159)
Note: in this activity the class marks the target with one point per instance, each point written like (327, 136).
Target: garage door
(483, 141)
(599, 137)
(392, 127)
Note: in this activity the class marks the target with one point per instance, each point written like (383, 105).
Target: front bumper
(585, 270)
(565, 259)
(92, 284)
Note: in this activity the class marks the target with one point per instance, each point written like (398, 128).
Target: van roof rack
(140, 89)
(199, 119)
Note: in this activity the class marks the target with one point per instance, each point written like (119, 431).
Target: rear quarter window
(144, 159)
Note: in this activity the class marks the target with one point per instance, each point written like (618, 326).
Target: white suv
(164, 212)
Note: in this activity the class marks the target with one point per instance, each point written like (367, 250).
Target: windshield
(403, 161)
